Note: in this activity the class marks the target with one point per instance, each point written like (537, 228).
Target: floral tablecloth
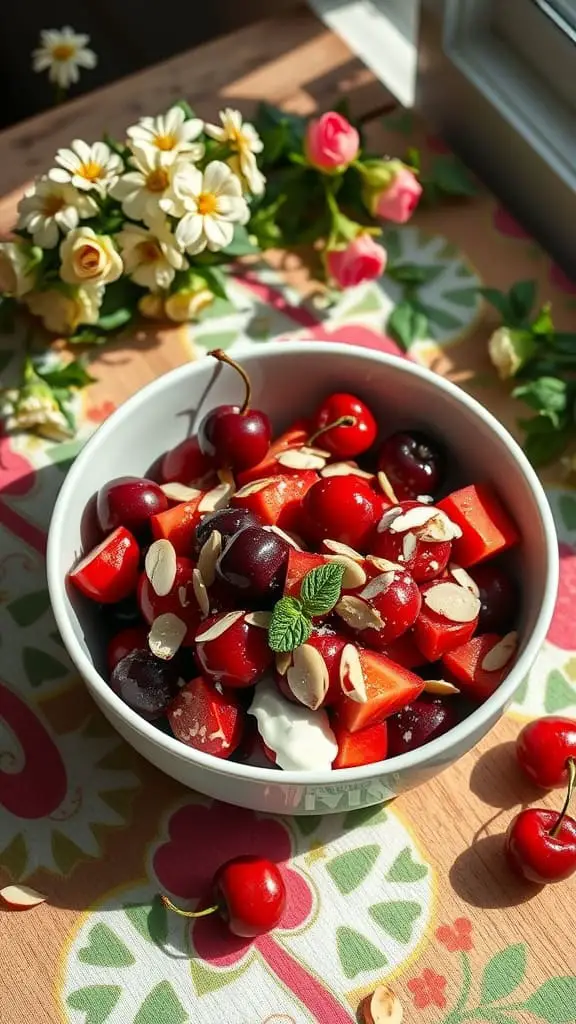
(415, 894)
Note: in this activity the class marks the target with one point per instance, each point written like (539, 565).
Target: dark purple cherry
(129, 501)
(420, 722)
(235, 436)
(254, 564)
(145, 684)
(227, 521)
(498, 599)
(122, 614)
(413, 462)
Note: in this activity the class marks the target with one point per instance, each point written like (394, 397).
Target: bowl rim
(414, 759)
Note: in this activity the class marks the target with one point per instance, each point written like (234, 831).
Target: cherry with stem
(236, 437)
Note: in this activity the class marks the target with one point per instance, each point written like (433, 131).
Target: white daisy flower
(244, 141)
(169, 135)
(142, 191)
(62, 53)
(209, 204)
(87, 167)
(49, 208)
(151, 258)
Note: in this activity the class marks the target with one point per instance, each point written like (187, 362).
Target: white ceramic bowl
(288, 380)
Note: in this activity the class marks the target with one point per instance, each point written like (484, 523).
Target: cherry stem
(571, 763)
(220, 355)
(342, 421)
(188, 913)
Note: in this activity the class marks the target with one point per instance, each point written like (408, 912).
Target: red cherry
(541, 844)
(129, 501)
(231, 650)
(413, 463)
(131, 639)
(329, 646)
(345, 425)
(186, 464)
(394, 597)
(544, 748)
(181, 601)
(249, 895)
(420, 722)
(109, 572)
(343, 508)
(145, 683)
(424, 559)
(235, 436)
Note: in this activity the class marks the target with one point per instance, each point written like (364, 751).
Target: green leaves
(447, 176)
(503, 973)
(407, 323)
(554, 1001)
(66, 375)
(291, 622)
(547, 395)
(516, 305)
(544, 442)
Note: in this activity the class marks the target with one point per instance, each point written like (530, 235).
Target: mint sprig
(291, 622)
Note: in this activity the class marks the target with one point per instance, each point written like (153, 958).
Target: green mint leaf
(406, 324)
(289, 626)
(521, 298)
(499, 300)
(321, 588)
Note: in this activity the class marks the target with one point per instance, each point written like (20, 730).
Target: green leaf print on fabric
(348, 870)
(162, 1006)
(467, 297)
(559, 693)
(503, 973)
(29, 608)
(405, 869)
(65, 852)
(105, 949)
(397, 918)
(554, 1001)
(14, 857)
(356, 953)
(206, 980)
(151, 921)
(41, 667)
(96, 1001)
(307, 824)
(374, 815)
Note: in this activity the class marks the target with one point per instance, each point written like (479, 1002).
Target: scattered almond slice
(412, 519)
(301, 458)
(499, 655)
(378, 585)
(307, 676)
(283, 662)
(260, 619)
(345, 469)
(390, 515)
(219, 627)
(285, 536)
(452, 601)
(179, 492)
(352, 679)
(358, 613)
(425, 499)
(464, 579)
(409, 543)
(183, 597)
(209, 554)
(354, 575)
(200, 592)
(255, 486)
(439, 528)
(160, 566)
(217, 498)
(386, 487)
(166, 635)
(338, 548)
(384, 564)
(21, 897)
(440, 687)
(226, 476)
(382, 1007)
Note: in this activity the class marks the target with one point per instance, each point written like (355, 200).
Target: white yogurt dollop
(302, 740)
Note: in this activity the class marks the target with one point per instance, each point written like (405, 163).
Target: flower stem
(220, 355)
(571, 762)
(319, 1001)
(342, 421)
(188, 913)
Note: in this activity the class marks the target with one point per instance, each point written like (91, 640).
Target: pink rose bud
(331, 142)
(399, 200)
(362, 260)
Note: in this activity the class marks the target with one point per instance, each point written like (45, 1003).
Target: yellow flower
(151, 258)
(61, 53)
(63, 310)
(244, 141)
(187, 304)
(152, 306)
(88, 258)
(209, 203)
(14, 277)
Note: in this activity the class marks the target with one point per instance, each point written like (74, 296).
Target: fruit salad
(315, 600)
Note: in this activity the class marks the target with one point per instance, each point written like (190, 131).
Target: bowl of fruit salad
(305, 582)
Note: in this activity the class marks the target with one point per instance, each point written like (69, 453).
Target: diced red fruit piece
(109, 572)
(345, 442)
(129, 501)
(420, 722)
(425, 560)
(405, 652)
(342, 508)
(178, 525)
(204, 718)
(389, 687)
(280, 503)
(435, 634)
(330, 645)
(127, 640)
(299, 564)
(487, 528)
(465, 665)
(357, 748)
(295, 437)
(181, 601)
(238, 656)
(186, 464)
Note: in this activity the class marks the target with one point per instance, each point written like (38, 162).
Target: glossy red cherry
(344, 426)
(383, 610)
(109, 572)
(498, 598)
(232, 650)
(544, 748)
(249, 895)
(129, 501)
(145, 684)
(181, 601)
(127, 640)
(420, 722)
(541, 844)
(235, 436)
(186, 464)
(424, 559)
(253, 564)
(413, 462)
(342, 508)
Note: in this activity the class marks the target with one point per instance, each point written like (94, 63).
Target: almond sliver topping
(425, 499)
(453, 602)
(352, 679)
(338, 548)
(160, 567)
(464, 579)
(260, 619)
(301, 458)
(183, 597)
(386, 487)
(209, 554)
(255, 486)
(382, 1007)
(285, 536)
(166, 635)
(358, 613)
(345, 469)
(390, 515)
(378, 585)
(441, 687)
(439, 528)
(412, 519)
(409, 544)
(200, 592)
(219, 627)
(283, 662)
(499, 655)
(307, 676)
(179, 492)
(217, 498)
(354, 575)
(384, 564)
(21, 896)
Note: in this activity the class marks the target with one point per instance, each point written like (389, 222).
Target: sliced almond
(160, 566)
(345, 469)
(179, 492)
(338, 548)
(255, 486)
(358, 613)
(425, 499)
(386, 487)
(260, 619)
(384, 564)
(499, 655)
(352, 679)
(226, 476)
(412, 519)
(200, 592)
(409, 543)
(354, 575)
(217, 498)
(307, 676)
(464, 579)
(452, 601)
(378, 585)
(283, 662)
(390, 515)
(382, 1007)
(441, 687)
(439, 528)
(183, 597)
(166, 635)
(285, 536)
(434, 565)
(301, 458)
(209, 554)
(21, 897)
(222, 624)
